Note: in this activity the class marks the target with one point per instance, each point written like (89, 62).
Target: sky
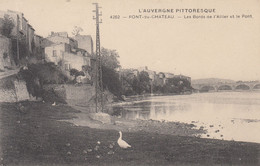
(199, 48)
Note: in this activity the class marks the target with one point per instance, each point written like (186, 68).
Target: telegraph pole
(17, 40)
(98, 65)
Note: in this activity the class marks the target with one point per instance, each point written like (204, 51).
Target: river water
(225, 115)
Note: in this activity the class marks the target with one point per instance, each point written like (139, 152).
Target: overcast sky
(200, 48)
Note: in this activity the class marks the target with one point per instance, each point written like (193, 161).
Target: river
(225, 115)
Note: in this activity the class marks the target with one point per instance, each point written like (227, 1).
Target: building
(6, 58)
(22, 29)
(59, 37)
(30, 36)
(160, 79)
(63, 50)
(168, 75)
(129, 72)
(24, 33)
(18, 20)
(85, 42)
(64, 55)
(38, 40)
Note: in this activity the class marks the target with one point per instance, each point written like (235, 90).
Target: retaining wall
(13, 90)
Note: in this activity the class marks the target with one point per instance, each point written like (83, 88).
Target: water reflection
(227, 115)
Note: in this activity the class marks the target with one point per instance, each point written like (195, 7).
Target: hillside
(211, 81)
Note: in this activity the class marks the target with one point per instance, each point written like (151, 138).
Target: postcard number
(115, 16)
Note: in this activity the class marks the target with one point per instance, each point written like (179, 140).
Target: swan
(54, 103)
(122, 143)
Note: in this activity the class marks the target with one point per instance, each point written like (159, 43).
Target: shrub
(38, 75)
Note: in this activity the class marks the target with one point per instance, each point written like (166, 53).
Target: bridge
(236, 86)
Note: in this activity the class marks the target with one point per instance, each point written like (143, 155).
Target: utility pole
(17, 40)
(98, 64)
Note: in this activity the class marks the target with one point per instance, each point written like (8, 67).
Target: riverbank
(136, 98)
(35, 133)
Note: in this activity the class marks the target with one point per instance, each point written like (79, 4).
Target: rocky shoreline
(150, 126)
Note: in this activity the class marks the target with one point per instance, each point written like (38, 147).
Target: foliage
(110, 76)
(176, 85)
(136, 85)
(76, 73)
(41, 74)
(142, 84)
(111, 81)
(5, 55)
(109, 58)
(76, 31)
(7, 26)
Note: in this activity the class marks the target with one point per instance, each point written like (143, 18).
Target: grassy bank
(32, 135)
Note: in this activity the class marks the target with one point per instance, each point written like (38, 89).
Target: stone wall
(74, 94)
(80, 93)
(21, 90)
(7, 95)
(13, 90)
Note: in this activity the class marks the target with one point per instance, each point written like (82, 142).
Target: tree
(111, 81)
(76, 31)
(7, 26)
(40, 74)
(136, 86)
(144, 82)
(109, 58)
(110, 78)
(177, 85)
(76, 73)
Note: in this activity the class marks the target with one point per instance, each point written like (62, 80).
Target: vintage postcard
(140, 82)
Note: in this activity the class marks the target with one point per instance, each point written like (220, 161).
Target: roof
(31, 27)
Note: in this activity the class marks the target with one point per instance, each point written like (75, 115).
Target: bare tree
(76, 31)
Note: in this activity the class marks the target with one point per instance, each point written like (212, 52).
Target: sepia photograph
(128, 83)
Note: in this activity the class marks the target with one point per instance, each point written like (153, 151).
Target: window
(54, 53)
(67, 66)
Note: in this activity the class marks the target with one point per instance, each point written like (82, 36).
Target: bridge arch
(242, 87)
(256, 87)
(207, 88)
(225, 87)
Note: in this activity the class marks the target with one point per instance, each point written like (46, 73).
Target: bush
(38, 75)
(111, 81)
(7, 25)
(76, 73)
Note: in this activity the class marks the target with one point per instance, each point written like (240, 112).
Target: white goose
(122, 143)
